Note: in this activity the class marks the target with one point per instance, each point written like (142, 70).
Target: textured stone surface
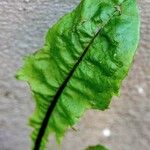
(22, 27)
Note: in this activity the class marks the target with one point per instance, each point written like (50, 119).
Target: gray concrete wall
(23, 24)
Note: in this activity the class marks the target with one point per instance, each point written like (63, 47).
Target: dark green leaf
(86, 55)
(97, 147)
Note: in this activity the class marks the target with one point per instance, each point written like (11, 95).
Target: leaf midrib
(62, 87)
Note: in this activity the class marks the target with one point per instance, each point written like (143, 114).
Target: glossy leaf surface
(86, 55)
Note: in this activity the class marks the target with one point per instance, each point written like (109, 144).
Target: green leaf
(97, 147)
(86, 55)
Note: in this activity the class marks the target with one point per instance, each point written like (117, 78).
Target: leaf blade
(97, 147)
(94, 78)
